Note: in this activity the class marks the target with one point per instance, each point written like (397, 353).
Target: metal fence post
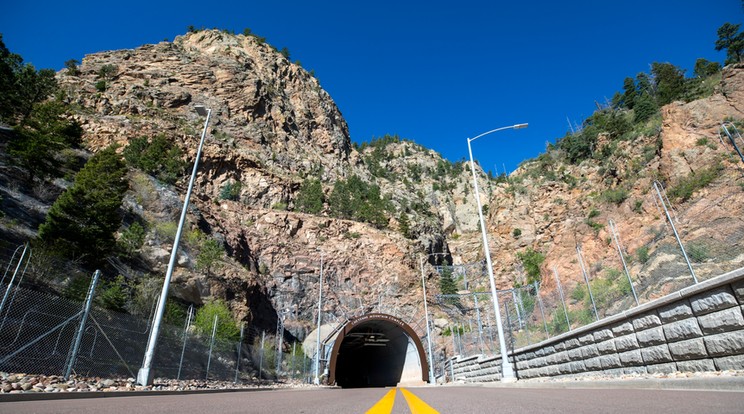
(563, 300)
(260, 358)
(211, 344)
(732, 138)
(480, 324)
(83, 320)
(292, 364)
(240, 346)
(12, 279)
(542, 310)
(586, 279)
(279, 343)
(674, 229)
(615, 236)
(185, 338)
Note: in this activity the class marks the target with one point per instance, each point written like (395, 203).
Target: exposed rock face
(273, 125)
(554, 215)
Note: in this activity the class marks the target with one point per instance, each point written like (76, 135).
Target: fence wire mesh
(38, 330)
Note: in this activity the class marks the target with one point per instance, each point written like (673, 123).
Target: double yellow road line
(415, 404)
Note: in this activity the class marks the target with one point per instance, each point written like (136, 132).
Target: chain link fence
(39, 332)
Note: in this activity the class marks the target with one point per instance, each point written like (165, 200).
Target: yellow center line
(416, 405)
(385, 405)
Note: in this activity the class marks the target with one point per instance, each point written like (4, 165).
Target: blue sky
(435, 72)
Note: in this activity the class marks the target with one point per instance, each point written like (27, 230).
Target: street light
(145, 375)
(316, 381)
(507, 372)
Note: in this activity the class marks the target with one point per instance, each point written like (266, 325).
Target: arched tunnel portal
(377, 350)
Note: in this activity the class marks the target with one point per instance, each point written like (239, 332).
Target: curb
(735, 384)
(46, 396)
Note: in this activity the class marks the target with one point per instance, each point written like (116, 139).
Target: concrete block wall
(699, 328)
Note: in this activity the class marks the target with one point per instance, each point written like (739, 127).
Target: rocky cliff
(273, 126)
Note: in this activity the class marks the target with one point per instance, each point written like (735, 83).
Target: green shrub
(282, 206)
(516, 233)
(642, 254)
(113, 294)
(131, 239)
(531, 260)
(698, 252)
(616, 196)
(686, 187)
(166, 231)
(157, 157)
(579, 293)
(77, 288)
(231, 190)
(227, 327)
(593, 213)
(557, 322)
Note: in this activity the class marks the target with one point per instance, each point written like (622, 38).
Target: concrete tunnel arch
(377, 350)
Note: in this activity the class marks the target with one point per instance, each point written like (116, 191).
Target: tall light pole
(507, 372)
(317, 342)
(426, 313)
(145, 375)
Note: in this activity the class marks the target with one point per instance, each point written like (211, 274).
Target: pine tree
(730, 39)
(669, 81)
(310, 197)
(447, 284)
(42, 135)
(404, 225)
(82, 222)
(645, 108)
(629, 93)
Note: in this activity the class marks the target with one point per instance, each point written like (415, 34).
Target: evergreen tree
(644, 84)
(354, 199)
(645, 108)
(310, 198)
(72, 67)
(210, 254)
(629, 93)
(157, 157)
(82, 222)
(669, 81)
(21, 86)
(42, 135)
(404, 225)
(447, 283)
(732, 40)
(10, 63)
(704, 68)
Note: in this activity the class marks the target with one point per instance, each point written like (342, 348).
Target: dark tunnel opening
(372, 352)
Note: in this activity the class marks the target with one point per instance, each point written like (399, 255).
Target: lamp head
(520, 126)
(201, 110)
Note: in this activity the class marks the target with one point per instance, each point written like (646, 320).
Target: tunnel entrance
(377, 350)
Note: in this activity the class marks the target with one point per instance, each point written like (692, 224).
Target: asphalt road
(450, 399)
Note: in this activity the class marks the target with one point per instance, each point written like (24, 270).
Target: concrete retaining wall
(699, 328)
